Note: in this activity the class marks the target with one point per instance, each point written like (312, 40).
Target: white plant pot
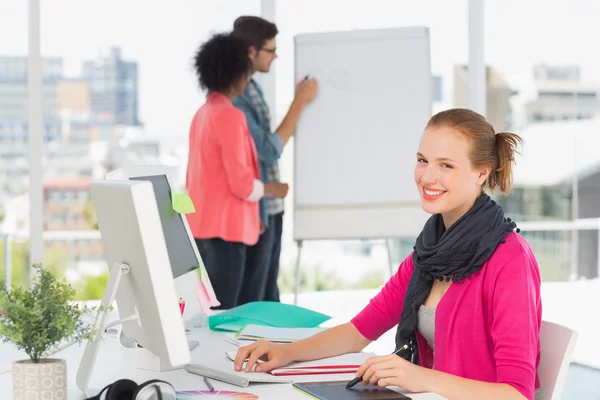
(44, 381)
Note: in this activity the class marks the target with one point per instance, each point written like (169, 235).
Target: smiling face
(446, 180)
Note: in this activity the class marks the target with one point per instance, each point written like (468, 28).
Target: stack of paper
(266, 313)
(344, 364)
(274, 334)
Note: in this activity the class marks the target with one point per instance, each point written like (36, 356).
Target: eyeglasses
(272, 51)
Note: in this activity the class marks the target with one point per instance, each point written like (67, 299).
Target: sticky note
(182, 203)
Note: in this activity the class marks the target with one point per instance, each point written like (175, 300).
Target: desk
(114, 362)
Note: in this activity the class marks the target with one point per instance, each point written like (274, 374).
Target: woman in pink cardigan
(466, 303)
(222, 172)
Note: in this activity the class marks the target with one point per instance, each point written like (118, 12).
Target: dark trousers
(225, 263)
(256, 274)
(262, 264)
(276, 228)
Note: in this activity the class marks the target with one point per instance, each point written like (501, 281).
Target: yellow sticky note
(182, 203)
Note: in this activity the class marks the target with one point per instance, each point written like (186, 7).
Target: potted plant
(39, 320)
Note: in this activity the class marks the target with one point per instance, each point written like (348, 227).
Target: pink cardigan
(486, 327)
(222, 167)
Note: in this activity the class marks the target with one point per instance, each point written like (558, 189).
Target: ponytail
(506, 147)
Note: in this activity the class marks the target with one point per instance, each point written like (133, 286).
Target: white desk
(115, 363)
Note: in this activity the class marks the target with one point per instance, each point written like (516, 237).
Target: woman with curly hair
(222, 173)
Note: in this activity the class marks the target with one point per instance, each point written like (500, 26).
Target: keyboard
(242, 379)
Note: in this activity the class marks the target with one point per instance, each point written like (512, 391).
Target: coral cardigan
(486, 327)
(222, 167)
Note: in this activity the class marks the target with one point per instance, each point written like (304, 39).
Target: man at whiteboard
(263, 258)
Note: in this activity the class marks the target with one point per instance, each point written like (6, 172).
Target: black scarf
(457, 252)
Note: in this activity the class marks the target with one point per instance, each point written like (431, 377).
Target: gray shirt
(426, 324)
(426, 327)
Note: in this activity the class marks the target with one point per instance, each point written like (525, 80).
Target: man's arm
(288, 125)
(306, 91)
(268, 146)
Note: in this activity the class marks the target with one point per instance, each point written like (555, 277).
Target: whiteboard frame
(385, 220)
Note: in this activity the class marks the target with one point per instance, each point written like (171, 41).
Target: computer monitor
(141, 278)
(183, 253)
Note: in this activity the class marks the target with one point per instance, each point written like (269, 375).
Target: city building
(64, 203)
(557, 93)
(99, 107)
(74, 98)
(114, 88)
(556, 158)
(67, 207)
(14, 105)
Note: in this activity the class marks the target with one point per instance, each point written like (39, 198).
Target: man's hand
(276, 189)
(306, 90)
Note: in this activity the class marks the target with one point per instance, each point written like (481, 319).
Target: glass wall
(118, 89)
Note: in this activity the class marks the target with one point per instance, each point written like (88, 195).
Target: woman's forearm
(334, 341)
(453, 387)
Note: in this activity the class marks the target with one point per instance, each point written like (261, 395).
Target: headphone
(125, 389)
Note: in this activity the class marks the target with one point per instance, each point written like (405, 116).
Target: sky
(163, 35)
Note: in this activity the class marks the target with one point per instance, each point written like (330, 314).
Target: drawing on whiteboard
(316, 73)
(336, 78)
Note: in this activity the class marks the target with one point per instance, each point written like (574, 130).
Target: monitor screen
(181, 254)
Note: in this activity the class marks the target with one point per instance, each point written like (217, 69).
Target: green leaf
(40, 319)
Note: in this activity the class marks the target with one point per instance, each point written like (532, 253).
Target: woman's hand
(393, 370)
(271, 354)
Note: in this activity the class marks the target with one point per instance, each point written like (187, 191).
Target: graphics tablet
(336, 390)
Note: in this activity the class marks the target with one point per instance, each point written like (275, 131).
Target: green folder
(269, 313)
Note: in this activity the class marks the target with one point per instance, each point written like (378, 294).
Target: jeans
(276, 228)
(225, 263)
(262, 264)
(257, 268)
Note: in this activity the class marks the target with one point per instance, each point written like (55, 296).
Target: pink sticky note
(207, 288)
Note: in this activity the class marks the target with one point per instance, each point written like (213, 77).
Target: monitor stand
(88, 361)
(129, 343)
(145, 359)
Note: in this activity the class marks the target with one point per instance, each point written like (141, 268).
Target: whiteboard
(355, 144)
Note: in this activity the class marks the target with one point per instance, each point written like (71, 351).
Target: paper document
(230, 337)
(343, 364)
(274, 334)
(270, 313)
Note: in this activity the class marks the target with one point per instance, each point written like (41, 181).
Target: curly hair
(222, 61)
